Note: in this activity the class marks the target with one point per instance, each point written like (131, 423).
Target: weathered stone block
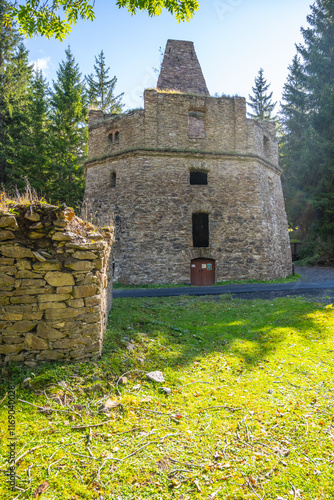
(8, 221)
(75, 303)
(38, 315)
(13, 339)
(29, 275)
(59, 279)
(55, 314)
(32, 216)
(82, 255)
(6, 261)
(16, 251)
(66, 343)
(93, 301)
(32, 291)
(60, 236)
(57, 297)
(52, 305)
(83, 265)
(91, 317)
(12, 316)
(22, 326)
(64, 289)
(50, 355)
(46, 331)
(6, 235)
(23, 299)
(11, 270)
(34, 235)
(83, 291)
(23, 264)
(30, 282)
(11, 348)
(49, 265)
(6, 280)
(34, 342)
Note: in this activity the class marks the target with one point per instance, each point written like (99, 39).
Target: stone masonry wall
(144, 181)
(153, 202)
(164, 124)
(180, 69)
(55, 285)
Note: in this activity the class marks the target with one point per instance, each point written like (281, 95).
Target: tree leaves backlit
(54, 18)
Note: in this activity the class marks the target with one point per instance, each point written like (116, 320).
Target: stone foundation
(55, 285)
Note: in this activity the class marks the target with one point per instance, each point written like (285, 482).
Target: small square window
(198, 177)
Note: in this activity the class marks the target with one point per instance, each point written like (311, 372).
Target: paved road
(314, 288)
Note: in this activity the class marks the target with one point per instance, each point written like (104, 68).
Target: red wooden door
(202, 272)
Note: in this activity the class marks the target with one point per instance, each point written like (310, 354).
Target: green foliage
(250, 411)
(100, 89)
(15, 77)
(308, 125)
(69, 134)
(55, 17)
(260, 101)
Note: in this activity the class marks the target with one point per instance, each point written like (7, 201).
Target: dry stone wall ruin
(55, 286)
(140, 167)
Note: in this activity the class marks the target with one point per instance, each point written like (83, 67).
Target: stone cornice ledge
(182, 152)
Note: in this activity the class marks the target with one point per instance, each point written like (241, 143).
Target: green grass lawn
(250, 413)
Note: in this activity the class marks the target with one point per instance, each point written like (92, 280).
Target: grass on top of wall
(249, 414)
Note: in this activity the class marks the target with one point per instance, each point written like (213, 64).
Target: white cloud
(42, 64)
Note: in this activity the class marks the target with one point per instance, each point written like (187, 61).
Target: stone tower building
(194, 186)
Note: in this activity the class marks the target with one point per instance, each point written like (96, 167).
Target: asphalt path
(269, 291)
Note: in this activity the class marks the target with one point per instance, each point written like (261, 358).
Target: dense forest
(43, 128)
(307, 137)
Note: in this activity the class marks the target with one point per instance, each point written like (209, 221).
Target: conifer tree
(68, 134)
(38, 151)
(318, 57)
(101, 88)
(260, 101)
(15, 75)
(308, 121)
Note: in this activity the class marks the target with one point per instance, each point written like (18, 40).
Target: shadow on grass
(150, 334)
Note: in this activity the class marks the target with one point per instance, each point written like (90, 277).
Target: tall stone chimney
(180, 69)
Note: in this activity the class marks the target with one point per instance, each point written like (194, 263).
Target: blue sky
(233, 39)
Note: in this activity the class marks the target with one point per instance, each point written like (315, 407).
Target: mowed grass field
(246, 411)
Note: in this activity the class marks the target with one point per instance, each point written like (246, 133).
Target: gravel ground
(308, 274)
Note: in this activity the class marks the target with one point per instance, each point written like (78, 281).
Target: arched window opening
(116, 137)
(266, 145)
(111, 138)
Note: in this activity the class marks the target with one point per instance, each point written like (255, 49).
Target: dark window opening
(197, 177)
(113, 179)
(111, 137)
(266, 145)
(200, 229)
(117, 137)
